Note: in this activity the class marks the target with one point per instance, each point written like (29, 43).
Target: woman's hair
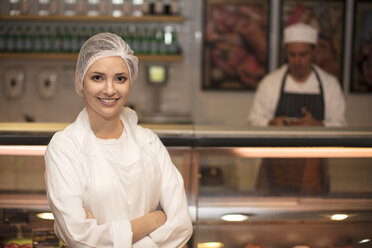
(100, 46)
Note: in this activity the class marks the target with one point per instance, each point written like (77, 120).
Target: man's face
(300, 57)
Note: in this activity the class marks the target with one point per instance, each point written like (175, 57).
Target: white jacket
(76, 173)
(268, 92)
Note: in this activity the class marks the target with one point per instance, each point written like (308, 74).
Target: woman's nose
(109, 87)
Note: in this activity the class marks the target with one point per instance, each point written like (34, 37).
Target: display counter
(282, 185)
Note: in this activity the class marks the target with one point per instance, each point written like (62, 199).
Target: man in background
(299, 93)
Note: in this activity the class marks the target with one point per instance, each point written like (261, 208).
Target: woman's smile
(108, 101)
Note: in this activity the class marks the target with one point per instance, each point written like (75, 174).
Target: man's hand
(307, 120)
(278, 121)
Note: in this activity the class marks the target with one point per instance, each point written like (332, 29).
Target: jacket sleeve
(177, 230)
(65, 183)
(335, 105)
(264, 103)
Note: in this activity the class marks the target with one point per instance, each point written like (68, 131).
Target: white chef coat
(113, 191)
(268, 92)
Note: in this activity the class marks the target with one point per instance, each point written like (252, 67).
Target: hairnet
(100, 46)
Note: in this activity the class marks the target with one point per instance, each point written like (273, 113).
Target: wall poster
(328, 18)
(361, 80)
(235, 55)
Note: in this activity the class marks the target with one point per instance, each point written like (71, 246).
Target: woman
(106, 176)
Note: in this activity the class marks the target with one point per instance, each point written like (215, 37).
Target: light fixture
(234, 217)
(45, 216)
(364, 241)
(339, 216)
(210, 245)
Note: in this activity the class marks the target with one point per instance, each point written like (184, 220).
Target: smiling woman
(110, 182)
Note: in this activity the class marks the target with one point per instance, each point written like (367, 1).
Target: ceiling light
(339, 216)
(234, 217)
(210, 245)
(364, 241)
(45, 216)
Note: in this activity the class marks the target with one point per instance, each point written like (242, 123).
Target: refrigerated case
(282, 187)
(284, 184)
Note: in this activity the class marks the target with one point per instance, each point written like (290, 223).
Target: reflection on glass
(307, 177)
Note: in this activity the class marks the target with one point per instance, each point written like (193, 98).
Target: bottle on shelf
(161, 47)
(67, 41)
(2, 39)
(57, 40)
(28, 42)
(75, 42)
(18, 42)
(153, 42)
(38, 40)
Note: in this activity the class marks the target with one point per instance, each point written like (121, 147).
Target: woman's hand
(160, 217)
(146, 224)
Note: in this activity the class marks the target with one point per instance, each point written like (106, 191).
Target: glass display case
(280, 188)
(246, 187)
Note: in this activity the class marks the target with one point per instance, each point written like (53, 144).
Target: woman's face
(106, 88)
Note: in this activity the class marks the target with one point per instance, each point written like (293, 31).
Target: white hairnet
(100, 46)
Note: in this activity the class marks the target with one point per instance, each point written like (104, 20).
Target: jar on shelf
(175, 8)
(93, 7)
(117, 8)
(54, 7)
(137, 6)
(14, 7)
(25, 7)
(70, 7)
(43, 7)
(81, 7)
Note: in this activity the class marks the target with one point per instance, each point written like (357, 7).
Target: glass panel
(286, 199)
(229, 175)
(22, 174)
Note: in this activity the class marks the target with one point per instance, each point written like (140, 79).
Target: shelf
(73, 56)
(146, 18)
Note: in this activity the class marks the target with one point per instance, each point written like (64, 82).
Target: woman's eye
(121, 79)
(97, 78)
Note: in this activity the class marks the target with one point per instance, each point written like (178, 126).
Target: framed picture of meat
(361, 79)
(235, 54)
(328, 18)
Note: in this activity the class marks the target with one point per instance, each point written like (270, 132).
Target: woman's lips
(108, 101)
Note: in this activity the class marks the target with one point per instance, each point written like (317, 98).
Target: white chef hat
(300, 32)
(100, 46)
